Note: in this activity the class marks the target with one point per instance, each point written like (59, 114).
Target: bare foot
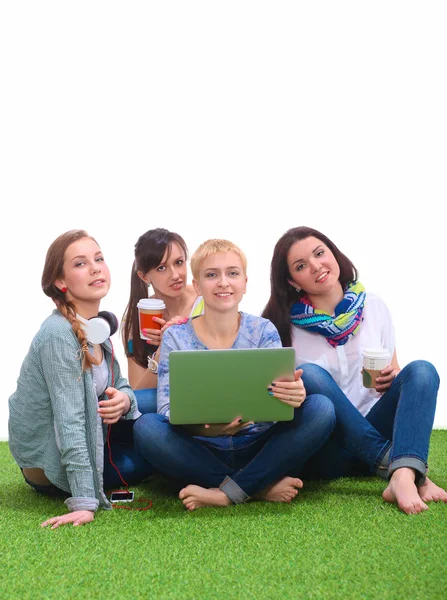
(283, 490)
(402, 491)
(194, 496)
(430, 492)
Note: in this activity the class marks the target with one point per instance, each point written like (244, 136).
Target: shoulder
(54, 340)
(254, 320)
(254, 326)
(179, 335)
(55, 326)
(375, 306)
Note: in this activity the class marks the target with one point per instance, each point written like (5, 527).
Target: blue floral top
(254, 332)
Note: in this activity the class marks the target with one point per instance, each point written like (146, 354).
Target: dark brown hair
(282, 294)
(54, 270)
(149, 252)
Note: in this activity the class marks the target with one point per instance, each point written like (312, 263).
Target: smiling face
(313, 268)
(221, 281)
(85, 273)
(169, 277)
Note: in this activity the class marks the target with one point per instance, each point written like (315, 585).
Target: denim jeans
(243, 464)
(403, 414)
(47, 490)
(131, 465)
(146, 400)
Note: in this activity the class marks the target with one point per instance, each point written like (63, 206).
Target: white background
(226, 119)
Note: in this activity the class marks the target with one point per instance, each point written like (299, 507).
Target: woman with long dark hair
(161, 264)
(321, 309)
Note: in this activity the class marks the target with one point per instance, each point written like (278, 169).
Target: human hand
(215, 429)
(154, 335)
(178, 320)
(117, 405)
(289, 392)
(383, 383)
(78, 517)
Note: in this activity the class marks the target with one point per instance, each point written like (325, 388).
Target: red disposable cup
(148, 308)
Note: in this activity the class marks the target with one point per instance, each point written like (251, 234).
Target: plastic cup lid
(151, 304)
(376, 352)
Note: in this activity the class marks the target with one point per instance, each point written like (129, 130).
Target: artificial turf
(338, 540)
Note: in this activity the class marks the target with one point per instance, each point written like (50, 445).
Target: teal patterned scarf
(336, 329)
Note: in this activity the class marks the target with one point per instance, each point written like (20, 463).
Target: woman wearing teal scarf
(321, 309)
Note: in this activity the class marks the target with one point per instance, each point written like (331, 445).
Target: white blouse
(344, 363)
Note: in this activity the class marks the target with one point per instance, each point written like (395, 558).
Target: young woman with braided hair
(70, 390)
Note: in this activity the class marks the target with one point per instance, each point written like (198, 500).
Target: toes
(412, 508)
(408, 508)
(188, 504)
(296, 483)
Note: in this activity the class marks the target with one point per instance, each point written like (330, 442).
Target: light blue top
(53, 420)
(254, 332)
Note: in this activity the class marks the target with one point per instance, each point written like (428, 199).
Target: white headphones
(100, 328)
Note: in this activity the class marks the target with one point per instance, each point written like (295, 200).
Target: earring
(296, 288)
(63, 289)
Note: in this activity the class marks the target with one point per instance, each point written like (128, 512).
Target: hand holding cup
(375, 360)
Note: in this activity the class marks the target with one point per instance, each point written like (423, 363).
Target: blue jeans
(403, 414)
(244, 464)
(47, 490)
(131, 465)
(146, 400)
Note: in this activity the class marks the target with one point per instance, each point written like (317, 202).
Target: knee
(423, 372)
(314, 376)
(323, 412)
(145, 429)
(146, 400)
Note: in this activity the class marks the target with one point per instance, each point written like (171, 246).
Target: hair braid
(67, 309)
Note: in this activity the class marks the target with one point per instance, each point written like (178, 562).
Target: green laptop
(216, 386)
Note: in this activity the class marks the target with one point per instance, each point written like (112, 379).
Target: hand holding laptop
(215, 429)
(290, 392)
(217, 386)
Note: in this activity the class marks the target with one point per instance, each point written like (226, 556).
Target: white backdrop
(231, 119)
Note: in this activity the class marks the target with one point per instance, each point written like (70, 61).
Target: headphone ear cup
(111, 320)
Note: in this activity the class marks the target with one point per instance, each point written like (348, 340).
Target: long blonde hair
(52, 271)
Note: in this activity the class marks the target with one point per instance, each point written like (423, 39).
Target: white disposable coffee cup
(147, 309)
(374, 360)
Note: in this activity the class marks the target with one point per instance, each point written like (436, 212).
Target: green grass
(339, 540)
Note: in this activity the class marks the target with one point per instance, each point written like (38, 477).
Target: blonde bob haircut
(211, 247)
